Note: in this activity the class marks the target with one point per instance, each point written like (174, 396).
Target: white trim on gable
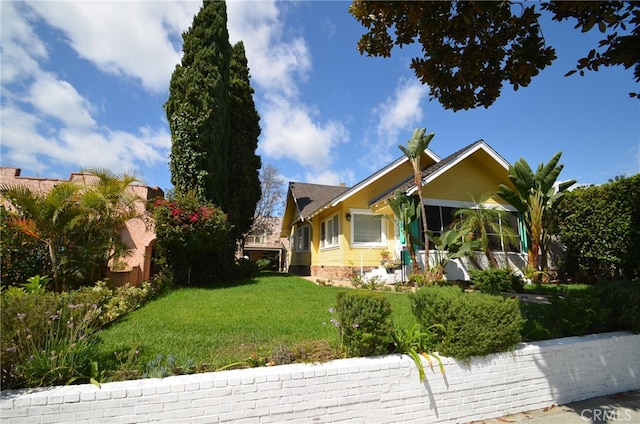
(480, 146)
(376, 176)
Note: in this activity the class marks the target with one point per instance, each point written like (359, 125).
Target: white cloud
(400, 111)
(25, 144)
(59, 99)
(277, 64)
(329, 177)
(126, 39)
(397, 116)
(289, 131)
(21, 48)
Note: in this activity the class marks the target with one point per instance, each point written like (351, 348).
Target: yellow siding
(474, 176)
(344, 255)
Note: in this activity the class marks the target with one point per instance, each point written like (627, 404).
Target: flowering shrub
(193, 239)
(47, 338)
(364, 322)
(50, 338)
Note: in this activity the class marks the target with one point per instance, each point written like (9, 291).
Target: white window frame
(383, 229)
(299, 238)
(330, 232)
(440, 203)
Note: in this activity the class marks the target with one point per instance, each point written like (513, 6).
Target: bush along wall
(364, 322)
(475, 324)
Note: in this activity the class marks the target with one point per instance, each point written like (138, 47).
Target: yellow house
(336, 231)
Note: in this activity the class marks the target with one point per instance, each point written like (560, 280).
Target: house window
(330, 232)
(302, 238)
(440, 218)
(367, 229)
(499, 243)
(259, 237)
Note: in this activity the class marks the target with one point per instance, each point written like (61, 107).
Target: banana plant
(406, 210)
(533, 195)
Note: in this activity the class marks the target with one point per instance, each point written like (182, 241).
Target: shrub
(496, 280)
(622, 300)
(314, 351)
(125, 299)
(51, 338)
(263, 263)
(600, 228)
(577, 314)
(194, 241)
(475, 324)
(364, 322)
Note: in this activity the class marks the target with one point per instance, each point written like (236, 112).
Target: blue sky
(83, 84)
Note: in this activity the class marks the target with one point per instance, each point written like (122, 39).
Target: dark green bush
(622, 301)
(476, 324)
(599, 227)
(364, 322)
(577, 314)
(497, 280)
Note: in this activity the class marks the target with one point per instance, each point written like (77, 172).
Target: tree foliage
(600, 229)
(21, 256)
(244, 165)
(472, 48)
(479, 221)
(198, 107)
(213, 120)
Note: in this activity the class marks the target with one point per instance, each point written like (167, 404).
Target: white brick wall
(360, 390)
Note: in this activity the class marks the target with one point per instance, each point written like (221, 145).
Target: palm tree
(109, 204)
(416, 145)
(480, 220)
(50, 218)
(78, 223)
(534, 194)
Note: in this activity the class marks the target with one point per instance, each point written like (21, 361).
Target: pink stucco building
(138, 234)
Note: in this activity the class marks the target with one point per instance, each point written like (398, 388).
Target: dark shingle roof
(311, 197)
(408, 183)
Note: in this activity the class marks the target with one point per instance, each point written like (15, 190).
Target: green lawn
(224, 325)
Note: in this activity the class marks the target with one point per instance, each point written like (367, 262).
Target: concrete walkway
(618, 408)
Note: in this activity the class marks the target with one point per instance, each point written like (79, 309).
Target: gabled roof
(310, 198)
(313, 198)
(379, 174)
(437, 169)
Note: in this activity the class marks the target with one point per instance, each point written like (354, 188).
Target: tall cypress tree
(198, 107)
(244, 164)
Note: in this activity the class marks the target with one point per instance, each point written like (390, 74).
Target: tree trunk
(54, 266)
